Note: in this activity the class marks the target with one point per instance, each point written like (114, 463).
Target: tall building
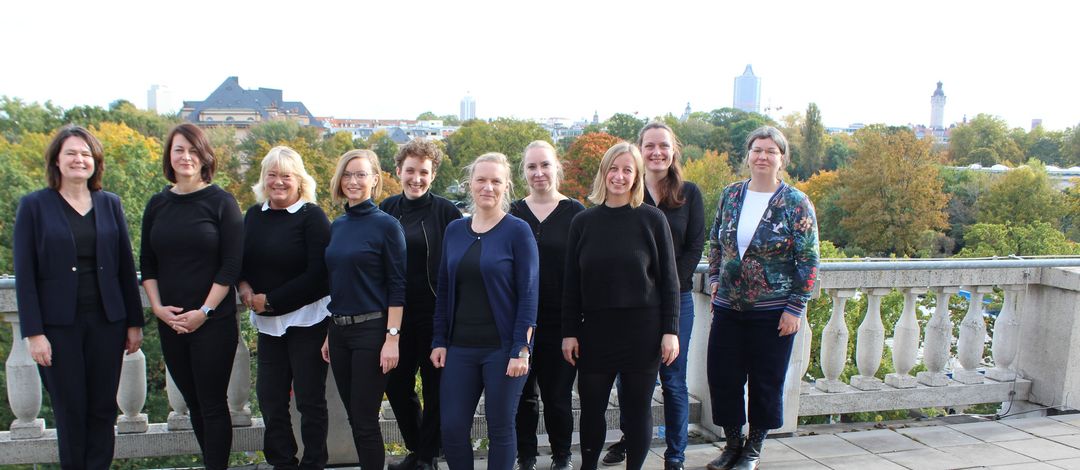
(937, 109)
(468, 108)
(748, 91)
(686, 113)
(159, 99)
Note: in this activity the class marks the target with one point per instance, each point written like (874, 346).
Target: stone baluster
(179, 419)
(938, 340)
(870, 342)
(23, 386)
(240, 385)
(905, 347)
(972, 342)
(802, 351)
(131, 396)
(834, 342)
(1007, 334)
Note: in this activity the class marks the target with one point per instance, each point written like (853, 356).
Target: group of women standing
(514, 302)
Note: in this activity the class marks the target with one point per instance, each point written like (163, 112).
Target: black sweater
(687, 224)
(424, 221)
(620, 258)
(551, 235)
(283, 255)
(190, 242)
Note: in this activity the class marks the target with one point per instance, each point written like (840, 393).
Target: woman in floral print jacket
(763, 263)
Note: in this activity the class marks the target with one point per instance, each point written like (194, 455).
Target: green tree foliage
(1033, 239)
(840, 148)
(964, 189)
(812, 152)
(985, 140)
(1070, 147)
(506, 136)
(385, 147)
(1021, 196)
(18, 117)
(824, 189)
(712, 174)
(624, 126)
(892, 191)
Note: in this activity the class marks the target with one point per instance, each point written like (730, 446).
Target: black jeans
(82, 383)
(354, 358)
(551, 379)
(419, 425)
(635, 402)
(200, 364)
(744, 346)
(293, 363)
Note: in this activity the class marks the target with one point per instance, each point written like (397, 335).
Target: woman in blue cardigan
(485, 312)
(78, 298)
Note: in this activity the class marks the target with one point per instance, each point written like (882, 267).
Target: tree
(712, 174)
(624, 126)
(891, 191)
(385, 147)
(426, 116)
(133, 170)
(582, 161)
(839, 151)
(506, 136)
(812, 156)
(17, 117)
(824, 190)
(984, 140)
(1022, 196)
(1034, 239)
(1070, 146)
(964, 188)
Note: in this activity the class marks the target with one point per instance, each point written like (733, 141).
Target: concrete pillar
(23, 386)
(870, 342)
(969, 348)
(1006, 334)
(834, 341)
(240, 385)
(905, 347)
(179, 419)
(938, 340)
(131, 396)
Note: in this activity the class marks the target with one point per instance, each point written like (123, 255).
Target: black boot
(731, 452)
(750, 455)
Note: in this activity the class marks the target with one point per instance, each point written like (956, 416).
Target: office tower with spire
(468, 108)
(748, 91)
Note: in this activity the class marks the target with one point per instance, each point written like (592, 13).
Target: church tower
(937, 109)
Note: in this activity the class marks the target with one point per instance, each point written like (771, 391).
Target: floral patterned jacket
(779, 267)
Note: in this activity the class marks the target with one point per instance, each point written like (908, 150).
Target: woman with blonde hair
(620, 304)
(365, 261)
(283, 284)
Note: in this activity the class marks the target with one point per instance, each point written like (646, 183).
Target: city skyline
(999, 58)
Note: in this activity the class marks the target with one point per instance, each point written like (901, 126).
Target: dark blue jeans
(468, 373)
(673, 383)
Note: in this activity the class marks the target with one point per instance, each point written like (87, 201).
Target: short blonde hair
(498, 159)
(637, 190)
(337, 195)
(543, 144)
(285, 160)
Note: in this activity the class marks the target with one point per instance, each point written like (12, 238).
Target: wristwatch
(206, 310)
(523, 355)
(393, 331)
(266, 306)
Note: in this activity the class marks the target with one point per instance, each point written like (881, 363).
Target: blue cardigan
(510, 266)
(45, 276)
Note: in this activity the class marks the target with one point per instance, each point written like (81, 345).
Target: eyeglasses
(359, 175)
(758, 151)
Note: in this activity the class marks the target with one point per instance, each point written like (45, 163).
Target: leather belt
(345, 320)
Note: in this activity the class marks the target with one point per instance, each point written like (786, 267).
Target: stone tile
(938, 436)
(698, 455)
(1042, 449)
(823, 446)
(1026, 466)
(858, 462)
(880, 440)
(776, 451)
(1069, 464)
(991, 431)
(986, 454)
(925, 459)
(1071, 418)
(1071, 440)
(1041, 426)
(796, 465)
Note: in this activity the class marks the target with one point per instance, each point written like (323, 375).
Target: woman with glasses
(763, 262)
(365, 261)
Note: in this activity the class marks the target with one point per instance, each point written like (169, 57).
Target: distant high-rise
(468, 108)
(937, 109)
(686, 113)
(159, 99)
(1036, 123)
(748, 91)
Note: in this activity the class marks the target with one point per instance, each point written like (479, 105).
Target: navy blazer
(45, 276)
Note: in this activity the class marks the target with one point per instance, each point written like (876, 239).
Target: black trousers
(745, 346)
(635, 401)
(200, 364)
(354, 358)
(419, 425)
(82, 383)
(551, 379)
(293, 363)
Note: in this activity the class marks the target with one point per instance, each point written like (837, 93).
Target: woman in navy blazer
(72, 238)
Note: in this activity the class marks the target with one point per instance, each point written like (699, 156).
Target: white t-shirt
(754, 206)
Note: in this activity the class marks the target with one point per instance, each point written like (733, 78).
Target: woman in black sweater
(548, 213)
(283, 283)
(192, 246)
(424, 217)
(620, 305)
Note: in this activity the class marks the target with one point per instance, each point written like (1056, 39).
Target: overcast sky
(860, 61)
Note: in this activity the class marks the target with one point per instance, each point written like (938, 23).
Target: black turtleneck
(365, 261)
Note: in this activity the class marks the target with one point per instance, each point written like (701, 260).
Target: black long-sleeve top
(687, 224)
(190, 242)
(365, 261)
(551, 235)
(283, 255)
(424, 221)
(620, 257)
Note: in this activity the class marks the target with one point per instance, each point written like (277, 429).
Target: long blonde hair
(637, 190)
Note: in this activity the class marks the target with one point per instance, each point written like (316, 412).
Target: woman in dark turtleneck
(366, 265)
(424, 217)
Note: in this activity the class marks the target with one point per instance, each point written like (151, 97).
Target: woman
(424, 217)
(366, 264)
(485, 312)
(620, 305)
(762, 266)
(283, 283)
(548, 212)
(77, 294)
(192, 247)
